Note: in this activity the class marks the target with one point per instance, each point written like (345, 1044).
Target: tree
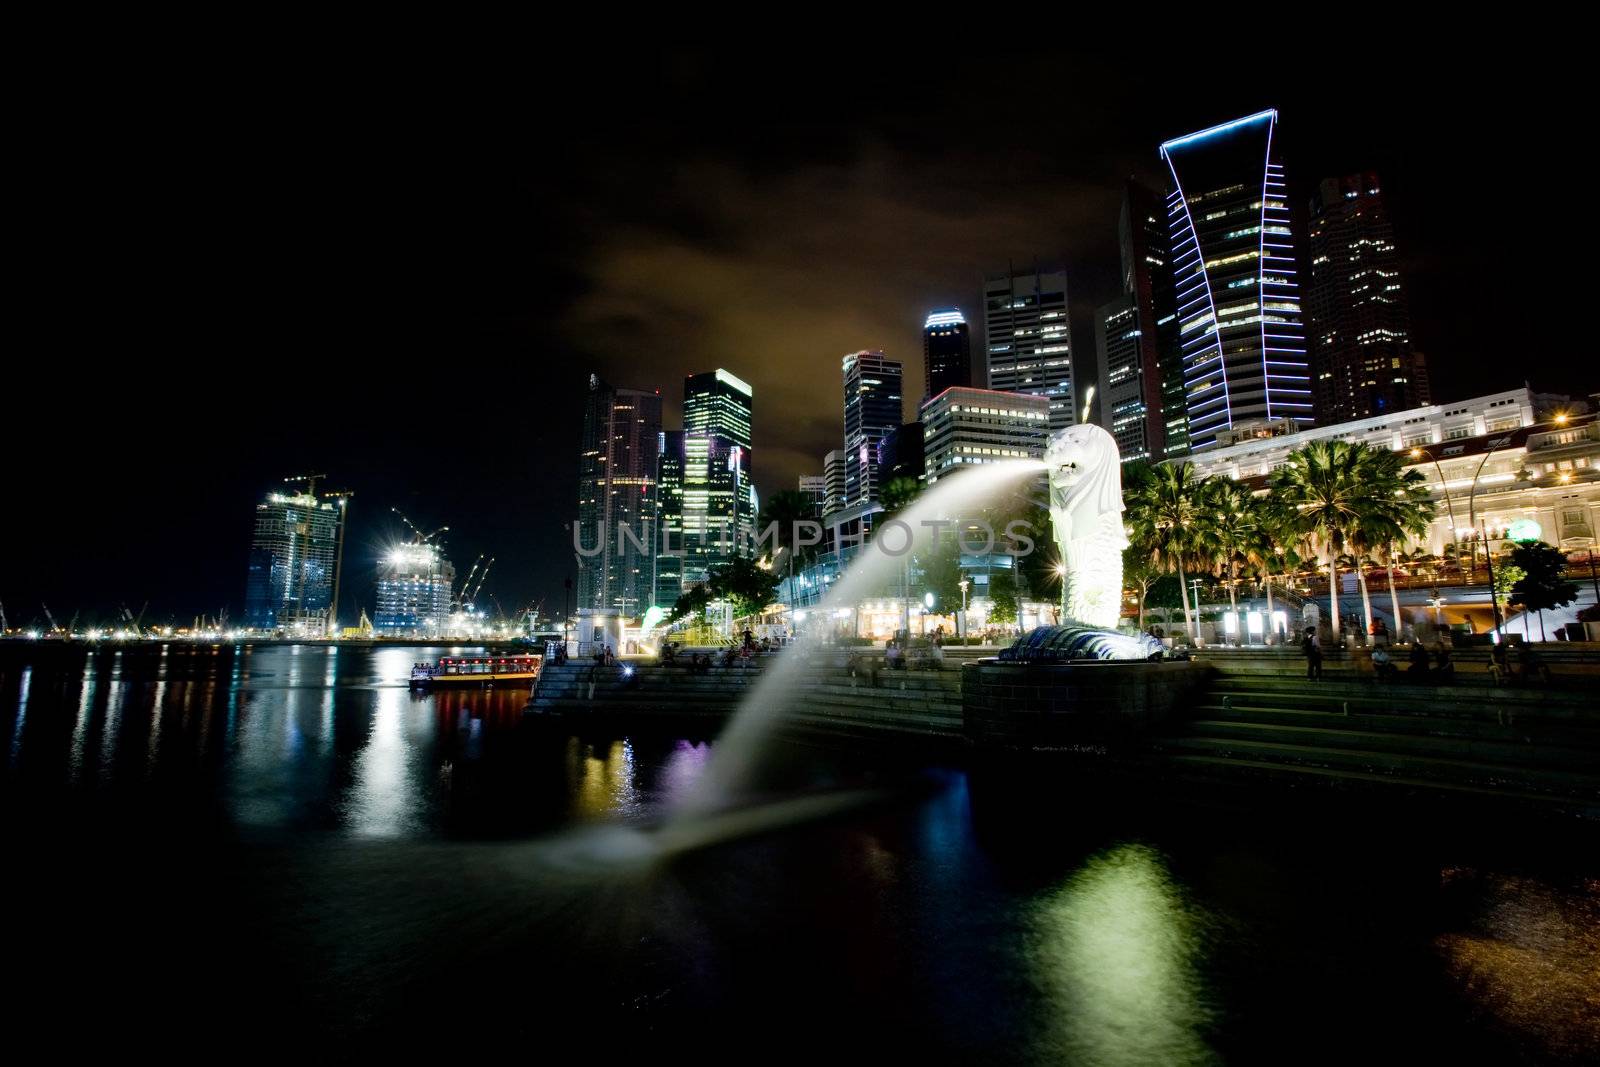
(1003, 596)
(898, 494)
(1164, 513)
(1543, 582)
(745, 582)
(742, 580)
(785, 509)
(1235, 531)
(1139, 573)
(1341, 495)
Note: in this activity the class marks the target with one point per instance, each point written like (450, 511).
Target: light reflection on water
(1113, 950)
(1118, 946)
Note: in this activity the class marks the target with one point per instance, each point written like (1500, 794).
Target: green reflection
(1116, 951)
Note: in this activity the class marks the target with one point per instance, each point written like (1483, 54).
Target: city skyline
(890, 232)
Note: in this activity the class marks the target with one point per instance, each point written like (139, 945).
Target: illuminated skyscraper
(1360, 330)
(668, 543)
(617, 495)
(973, 426)
(414, 592)
(1140, 377)
(715, 499)
(1240, 330)
(946, 351)
(293, 567)
(834, 475)
(872, 406)
(1027, 340)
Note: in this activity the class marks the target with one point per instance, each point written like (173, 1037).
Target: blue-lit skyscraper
(872, 407)
(294, 562)
(1241, 333)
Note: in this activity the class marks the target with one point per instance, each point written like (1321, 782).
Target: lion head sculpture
(1085, 473)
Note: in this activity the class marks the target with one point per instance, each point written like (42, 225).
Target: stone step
(1374, 761)
(1579, 736)
(1574, 715)
(1511, 751)
(1212, 768)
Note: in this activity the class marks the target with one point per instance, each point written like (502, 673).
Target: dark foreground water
(218, 853)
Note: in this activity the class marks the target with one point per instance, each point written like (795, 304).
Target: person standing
(1311, 646)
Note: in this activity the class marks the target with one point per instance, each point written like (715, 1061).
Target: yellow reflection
(605, 779)
(1532, 958)
(1117, 947)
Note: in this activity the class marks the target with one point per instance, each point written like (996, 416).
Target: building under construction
(292, 583)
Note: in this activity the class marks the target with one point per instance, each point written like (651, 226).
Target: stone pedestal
(1075, 707)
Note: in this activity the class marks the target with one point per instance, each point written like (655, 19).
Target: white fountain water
(957, 497)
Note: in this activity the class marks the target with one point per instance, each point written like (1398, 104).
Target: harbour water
(235, 849)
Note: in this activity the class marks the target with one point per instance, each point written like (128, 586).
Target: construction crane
(462, 599)
(481, 579)
(54, 626)
(341, 497)
(310, 481)
(422, 538)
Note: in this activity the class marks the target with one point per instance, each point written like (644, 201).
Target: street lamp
(1472, 503)
(1444, 484)
(963, 583)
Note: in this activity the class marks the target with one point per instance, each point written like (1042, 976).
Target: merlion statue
(1085, 472)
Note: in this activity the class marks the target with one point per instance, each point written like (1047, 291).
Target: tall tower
(834, 474)
(616, 494)
(1240, 332)
(872, 410)
(1027, 339)
(718, 503)
(1360, 329)
(1139, 375)
(293, 563)
(946, 351)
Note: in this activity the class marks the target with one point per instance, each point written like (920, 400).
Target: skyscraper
(972, 426)
(1241, 335)
(716, 402)
(617, 495)
(815, 487)
(1140, 378)
(833, 472)
(900, 453)
(1360, 329)
(414, 592)
(716, 501)
(946, 351)
(1027, 340)
(293, 566)
(872, 405)
(668, 544)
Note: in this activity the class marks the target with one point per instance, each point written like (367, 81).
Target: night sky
(403, 278)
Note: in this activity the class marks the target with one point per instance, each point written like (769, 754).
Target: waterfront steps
(824, 696)
(1526, 747)
(1570, 663)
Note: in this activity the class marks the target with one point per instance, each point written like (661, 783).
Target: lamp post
(1494, 597)
(1472, 505)
(963, 619)
(1444, 485)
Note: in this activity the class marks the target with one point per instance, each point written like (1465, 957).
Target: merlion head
(1085, 472)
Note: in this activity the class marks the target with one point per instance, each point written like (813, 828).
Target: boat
(475, 670)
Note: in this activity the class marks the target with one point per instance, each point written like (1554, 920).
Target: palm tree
(1165, 508)
(1234, 528)
(1342, 496)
